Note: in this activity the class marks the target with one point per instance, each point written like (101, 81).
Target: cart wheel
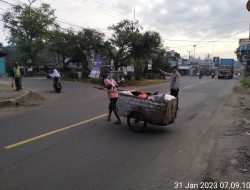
(136, 122)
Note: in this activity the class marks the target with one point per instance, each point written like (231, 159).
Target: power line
(75, 25)
(224, 37)
(20, 2)
(203, 44)
(103, 6)
(86, 3)
(7, 2)
(230, 24)
(182, 40)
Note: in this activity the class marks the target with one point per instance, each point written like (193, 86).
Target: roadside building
(2, 63)
(243, 54)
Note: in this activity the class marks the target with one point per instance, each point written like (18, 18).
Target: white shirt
(55, 73)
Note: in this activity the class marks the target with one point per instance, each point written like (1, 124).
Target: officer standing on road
(17, 76)
(174, 82)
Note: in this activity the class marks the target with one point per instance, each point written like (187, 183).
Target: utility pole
(134, 14)
(194, 49)
(189, 56)
(249, 30)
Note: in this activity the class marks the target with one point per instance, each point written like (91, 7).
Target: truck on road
(226, 68)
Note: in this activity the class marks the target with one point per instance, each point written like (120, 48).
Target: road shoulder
(230, 158)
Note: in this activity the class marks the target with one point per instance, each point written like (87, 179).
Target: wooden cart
(139, 112)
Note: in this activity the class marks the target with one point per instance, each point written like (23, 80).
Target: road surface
(66, 143)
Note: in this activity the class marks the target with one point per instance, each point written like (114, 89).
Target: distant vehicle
(226, 68)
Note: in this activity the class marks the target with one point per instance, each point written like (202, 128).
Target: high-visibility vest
(17, 72)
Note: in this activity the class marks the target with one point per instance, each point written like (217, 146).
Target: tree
(128, 42)
(143, 47)
(121, 40)
(29, 29)
(90, 41)
(64, 43)
(76, 47)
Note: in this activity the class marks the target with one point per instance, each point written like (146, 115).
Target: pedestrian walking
(174, 82)
(111, 86)
(17, 76)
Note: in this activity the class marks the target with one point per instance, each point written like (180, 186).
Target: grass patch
(245, 82)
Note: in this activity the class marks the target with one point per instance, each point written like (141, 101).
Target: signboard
(216, 61)
(173, 63)
(150, 63)
(130, 68)
(244, 41)
(96, 66)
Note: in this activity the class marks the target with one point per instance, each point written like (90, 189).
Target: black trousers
(18, 82)
(112, 105)
(175, 92)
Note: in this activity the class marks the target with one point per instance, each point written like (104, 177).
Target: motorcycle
(121, 82)
(200, 76)
(57, 84)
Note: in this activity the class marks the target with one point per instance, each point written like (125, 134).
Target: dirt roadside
(229, 164)
(30, 100)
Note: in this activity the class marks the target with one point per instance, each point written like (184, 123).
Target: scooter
(57, 84)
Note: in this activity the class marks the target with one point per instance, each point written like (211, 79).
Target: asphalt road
(66, 143)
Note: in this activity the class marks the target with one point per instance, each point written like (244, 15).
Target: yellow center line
(52, 132)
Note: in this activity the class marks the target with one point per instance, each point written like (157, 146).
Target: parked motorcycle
(57, 84)
(121, 82)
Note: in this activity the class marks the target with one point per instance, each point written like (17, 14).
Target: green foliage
(121, 40)
(245, 82)
(129, 43)
(34, 28)
(29, 29)
(77, 47)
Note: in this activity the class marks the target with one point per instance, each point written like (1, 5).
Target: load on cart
(141, 108)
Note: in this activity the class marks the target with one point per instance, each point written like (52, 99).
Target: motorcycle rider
(55, 75)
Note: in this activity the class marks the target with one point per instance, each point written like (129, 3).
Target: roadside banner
(150, 63)
(216, 61)
(96, 66)
(244, 42)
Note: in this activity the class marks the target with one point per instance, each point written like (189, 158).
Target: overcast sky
(213, 26)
